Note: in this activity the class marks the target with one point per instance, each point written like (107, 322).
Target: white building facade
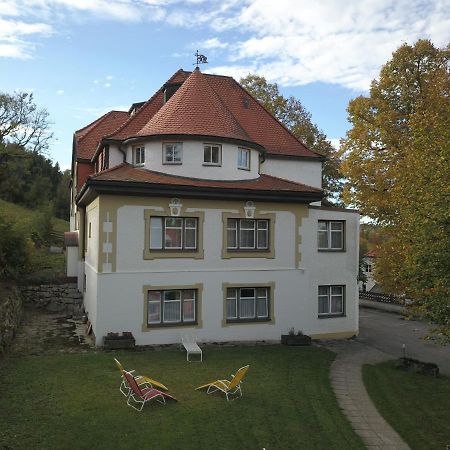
(207, 229)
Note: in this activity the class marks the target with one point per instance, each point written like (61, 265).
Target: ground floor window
(171, 307)
(331, 301)
(247, 304)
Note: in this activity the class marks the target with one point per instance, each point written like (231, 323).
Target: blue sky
(82, 58)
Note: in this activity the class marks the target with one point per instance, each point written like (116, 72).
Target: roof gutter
(92, 188)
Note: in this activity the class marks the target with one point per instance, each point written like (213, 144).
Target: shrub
(15, 250)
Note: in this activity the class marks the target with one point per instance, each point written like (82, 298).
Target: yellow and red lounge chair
(140, 379)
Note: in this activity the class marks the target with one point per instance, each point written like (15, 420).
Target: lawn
(72, 401)
(416, 406)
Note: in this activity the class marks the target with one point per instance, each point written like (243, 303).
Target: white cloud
(12, 33)
(107, 85)
(60, 91)
(109, 77)
(335, 142)
(212, 43)
(298, 41)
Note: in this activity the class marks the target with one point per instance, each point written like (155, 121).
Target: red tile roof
(195, 109)
(145, 113)
(88, 138)
(129, 173)
(230, 112)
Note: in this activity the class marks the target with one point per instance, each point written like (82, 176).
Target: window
(330, 235)
(138, 155)
(172, 307)
(247, 234)
(368, 268)
(173, 233)
(212, 154)
(331, 301)
(172, 153)
(247, 304)
(243, 158)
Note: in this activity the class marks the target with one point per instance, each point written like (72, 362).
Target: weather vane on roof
(201, 59)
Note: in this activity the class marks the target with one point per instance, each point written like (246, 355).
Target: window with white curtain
(247, 234)
(176, 306)
(173, 233)
(247, 304)
(330, 235)
(331, 300)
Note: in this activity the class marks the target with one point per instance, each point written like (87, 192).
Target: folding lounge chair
(230, 387)
(142, 395)
(140, 379)
(190, 345)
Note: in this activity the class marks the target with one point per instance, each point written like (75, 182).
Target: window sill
(330, 316)
(212, 165)
(244, 168)
(237, 321)
(167, 163)
(331, 250)
(170, 325)
(139, 165)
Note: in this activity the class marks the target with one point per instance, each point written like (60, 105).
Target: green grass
(72, 401)
(416, 406)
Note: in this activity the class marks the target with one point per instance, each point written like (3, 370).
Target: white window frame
(209, 148)
(240, 165)
(162, 221)
(256, 227)
(328, 231)
(139, 155)
(234, 294)
(166, 146)
(182, 297)
(329, 295)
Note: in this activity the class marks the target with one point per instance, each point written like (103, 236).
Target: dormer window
(173, 153)
(212, 155)
(243, 159)
(139, 155)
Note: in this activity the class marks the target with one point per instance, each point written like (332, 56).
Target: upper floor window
(139, 155)
(173, 153)
(330, 235)
(212, 154)
(331, 300)
(173, 233)
(243, 158)
(172, 307)
(247, 234)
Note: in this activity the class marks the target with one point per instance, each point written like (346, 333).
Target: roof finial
(201, 59)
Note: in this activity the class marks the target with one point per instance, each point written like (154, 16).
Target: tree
(291, 113)
(396, 160)
(22, 122)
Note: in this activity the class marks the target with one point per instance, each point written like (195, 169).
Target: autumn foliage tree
(396, 161)
(291, 113)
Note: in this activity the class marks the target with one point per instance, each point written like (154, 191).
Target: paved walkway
(43, 332)
(346, 379)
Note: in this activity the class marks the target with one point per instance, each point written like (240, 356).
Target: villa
(198, 211)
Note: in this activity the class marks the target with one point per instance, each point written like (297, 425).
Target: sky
(82, 58)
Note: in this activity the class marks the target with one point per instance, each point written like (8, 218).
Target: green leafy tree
(397, 166)
(291, 113)
(22, 122)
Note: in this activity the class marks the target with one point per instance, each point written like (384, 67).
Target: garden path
(348, 385)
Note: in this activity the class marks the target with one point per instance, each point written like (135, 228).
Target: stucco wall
(301, 171)
(296, 271)
(193, 166)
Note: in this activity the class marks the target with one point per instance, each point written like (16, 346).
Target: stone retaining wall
(10, 315)
(54, 297)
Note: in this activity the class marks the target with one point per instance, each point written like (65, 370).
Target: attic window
(212, 154)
